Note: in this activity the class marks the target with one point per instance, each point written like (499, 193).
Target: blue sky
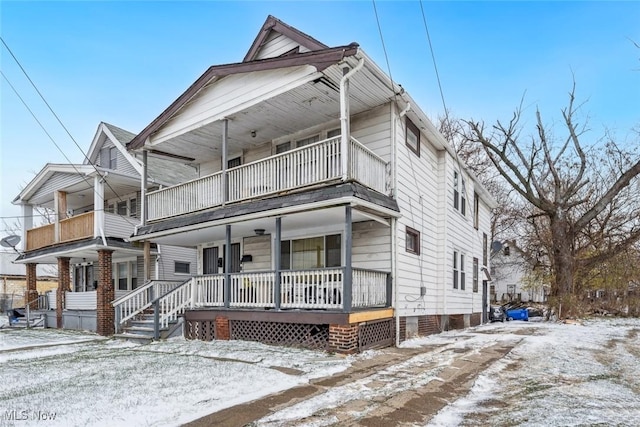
(124, 62)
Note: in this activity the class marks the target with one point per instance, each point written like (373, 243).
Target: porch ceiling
(305, 106)
(80, 192)
(319, 219)
(82, 251)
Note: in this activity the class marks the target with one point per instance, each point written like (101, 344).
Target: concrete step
(138, 338)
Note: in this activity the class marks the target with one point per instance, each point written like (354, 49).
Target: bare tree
(582, 210)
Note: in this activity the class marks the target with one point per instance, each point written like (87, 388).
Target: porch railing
(170, 305)
(40, 237)
(312, 164)
(135, 302)
(76, 227)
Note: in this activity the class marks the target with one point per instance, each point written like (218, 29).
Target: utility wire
(61, 124)
(384, 48)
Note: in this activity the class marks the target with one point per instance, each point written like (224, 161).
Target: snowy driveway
(555, 375)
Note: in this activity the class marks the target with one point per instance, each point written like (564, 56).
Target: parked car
(497, 314)
(518, 314)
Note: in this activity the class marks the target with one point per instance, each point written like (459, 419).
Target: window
(307, 141)
(133, 207)
(113, 158)
(122, 208)
(484, 249)
(455, 269)
(456, 192)
(412, 137)
(476, 210)
(462, 273)
(281, 148)
(125, 275)
(475, 274)
(312, 252)
(334, 133)
(232, 163)
(413, 241)
(463, 198)
(181, 267)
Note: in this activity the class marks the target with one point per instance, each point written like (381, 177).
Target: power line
(61, 124)
(435, 66)
(384, 48)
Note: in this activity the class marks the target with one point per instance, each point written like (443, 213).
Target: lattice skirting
(200, 330)
(376, 334)
(288, 334)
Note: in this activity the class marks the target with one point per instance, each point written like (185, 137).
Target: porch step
(141, 339)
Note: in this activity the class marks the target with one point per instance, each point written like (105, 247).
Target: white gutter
(344, 117)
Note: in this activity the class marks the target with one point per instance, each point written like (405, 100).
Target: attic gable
(276, 39)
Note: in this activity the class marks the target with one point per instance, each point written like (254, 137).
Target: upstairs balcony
(79, 227)
(313, 164)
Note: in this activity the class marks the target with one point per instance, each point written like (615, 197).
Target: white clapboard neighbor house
(328, 211)
(93, 208)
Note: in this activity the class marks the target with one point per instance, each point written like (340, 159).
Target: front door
(83, 278)
(212, 262)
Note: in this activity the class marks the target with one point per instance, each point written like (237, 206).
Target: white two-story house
(328, 211)
(93, 208)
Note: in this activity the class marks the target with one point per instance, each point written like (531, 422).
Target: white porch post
(345, 126)
(347, 290)
(143, 189)
(278, 263)
(27, 222)
(98, 205)
(227, 268)
(225, 178)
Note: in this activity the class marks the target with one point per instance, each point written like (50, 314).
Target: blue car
(518, 314)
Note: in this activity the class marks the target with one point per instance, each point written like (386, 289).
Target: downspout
(345, 128)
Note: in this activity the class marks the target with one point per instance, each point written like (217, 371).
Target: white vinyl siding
(371, 246)
(56, 181)
(259, 247)
(276, 45)
(168, 256)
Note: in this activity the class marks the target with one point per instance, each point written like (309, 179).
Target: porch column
(143, 189)
(31, 293)
(225, 178)
(64, 283)
(147, 261)
(227, 268)
(345, 126)
(278, 264)
(60, 206)
(98, 205)
(27, 222)
(106, 294)
(348, 270)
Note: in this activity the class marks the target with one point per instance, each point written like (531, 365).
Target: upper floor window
(333, 133)
(456, 269)
(412, 137)
(307, 141)
(459, 275)
(113, 158)
(459, 193)
(476, 210)
(413, 241)
(235, 162)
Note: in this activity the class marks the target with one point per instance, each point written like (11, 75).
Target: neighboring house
(13, 281)
(328, 212)
(514, 278)
(95, 207)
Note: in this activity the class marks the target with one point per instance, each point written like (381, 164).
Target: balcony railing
(79, 227)
(312, 164)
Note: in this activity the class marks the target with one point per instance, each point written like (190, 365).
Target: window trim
(410, 126)
(463, 273)
(456, 191)
(476, 210)
(179, 273)
(416, 234)
(113, 158)
(455, 269)
(475, 274)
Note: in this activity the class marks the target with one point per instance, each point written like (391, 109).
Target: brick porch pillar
(64, 283)
(223, 330)
(343, 338)
(106, 294)
(31, 293)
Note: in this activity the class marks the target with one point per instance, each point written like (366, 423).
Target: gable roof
(273, 24)
(118, 136)
(320, 59)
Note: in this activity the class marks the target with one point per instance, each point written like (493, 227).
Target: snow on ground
(560, 375)
(111, 383)
(557, 374)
